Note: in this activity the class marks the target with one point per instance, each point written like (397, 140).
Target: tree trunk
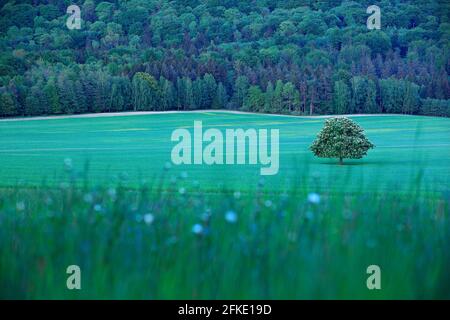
(341, 162)
(311, 102)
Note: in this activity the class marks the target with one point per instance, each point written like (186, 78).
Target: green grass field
(220, 232)
(407, 148)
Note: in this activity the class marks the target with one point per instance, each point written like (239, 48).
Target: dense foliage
(341, 138)
(295, 56)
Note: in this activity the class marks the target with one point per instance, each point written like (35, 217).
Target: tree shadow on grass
(359, 163)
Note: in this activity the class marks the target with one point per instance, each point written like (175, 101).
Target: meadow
(98, 193)
(139, 146)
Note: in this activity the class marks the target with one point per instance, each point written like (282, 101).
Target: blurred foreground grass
(170, 240)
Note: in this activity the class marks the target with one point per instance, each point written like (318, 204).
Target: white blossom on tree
(341, 138)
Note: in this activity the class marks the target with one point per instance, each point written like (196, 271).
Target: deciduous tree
(341, 138)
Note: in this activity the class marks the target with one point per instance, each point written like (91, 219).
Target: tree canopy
(341, 138)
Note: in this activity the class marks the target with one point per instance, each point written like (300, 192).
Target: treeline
(296, 56)
(92, 91)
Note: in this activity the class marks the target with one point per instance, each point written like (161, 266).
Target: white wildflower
(314, 198)
(231, 216)
(148, 218)
(197, 228)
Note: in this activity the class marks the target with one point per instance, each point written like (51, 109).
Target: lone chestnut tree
(341, 138)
